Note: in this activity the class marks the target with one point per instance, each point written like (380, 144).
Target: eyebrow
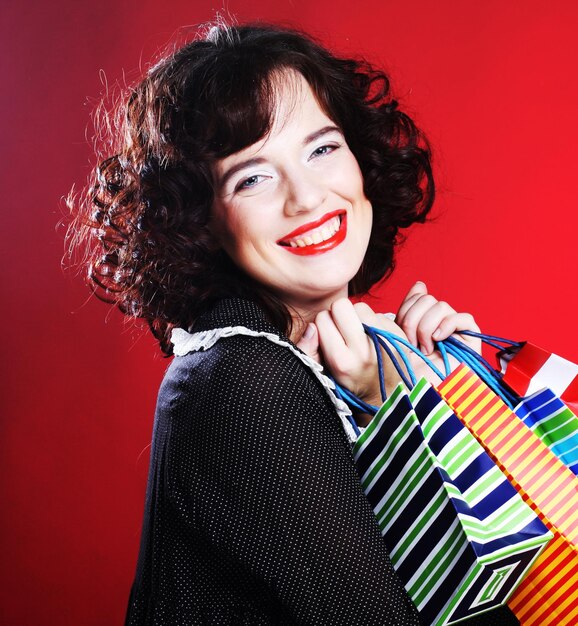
(260, 160)
(239, 166)
(319, 133)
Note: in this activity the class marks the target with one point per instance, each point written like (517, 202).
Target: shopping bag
(548, 594)
(459, 535)
(549, 589)
(542, 411)
(554, 423)
(535, 471)
(527, 462)
(528, 368)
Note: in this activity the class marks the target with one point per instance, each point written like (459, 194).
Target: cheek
(348, 179)
(365, 225)
(368, 210)
(237, 236)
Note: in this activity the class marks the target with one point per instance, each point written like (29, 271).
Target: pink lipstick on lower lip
(322, 246)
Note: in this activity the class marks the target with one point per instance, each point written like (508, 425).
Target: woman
(258, 182)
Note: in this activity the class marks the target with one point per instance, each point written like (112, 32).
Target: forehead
(296, 113)
(295, 101)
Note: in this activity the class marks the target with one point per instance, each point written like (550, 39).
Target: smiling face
(290, 210)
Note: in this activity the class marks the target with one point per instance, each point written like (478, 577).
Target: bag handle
(380, 339)
(393, 346)
(492, 340)
(476, 362)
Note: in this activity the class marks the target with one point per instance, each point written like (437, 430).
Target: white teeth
(318, 235)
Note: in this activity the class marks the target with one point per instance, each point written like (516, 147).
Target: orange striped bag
(549, 594)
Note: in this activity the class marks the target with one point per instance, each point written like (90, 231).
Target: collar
(235, 316)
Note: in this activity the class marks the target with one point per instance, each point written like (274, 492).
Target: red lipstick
(323, 246)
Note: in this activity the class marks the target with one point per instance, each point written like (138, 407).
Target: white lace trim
(185, 342)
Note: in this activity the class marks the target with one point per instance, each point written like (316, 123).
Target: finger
(386, 321)
(456, 322)
(418, 289)
(366, 314)
(327, 330)
(429, 322)
(346, 318)
(309, 342)
(332, 345)
(383, 321)
(452, 323)
(412, 317)
(345, 347)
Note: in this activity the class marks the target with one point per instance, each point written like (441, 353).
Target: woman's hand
(349, 354)
(337, 340)
(424, 320)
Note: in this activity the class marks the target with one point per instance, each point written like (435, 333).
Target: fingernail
(420, 282)
(437, 334)
(309, 331)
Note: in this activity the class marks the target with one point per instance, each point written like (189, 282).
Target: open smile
(317, 237)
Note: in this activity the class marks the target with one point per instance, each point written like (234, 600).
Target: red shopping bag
(530, 368)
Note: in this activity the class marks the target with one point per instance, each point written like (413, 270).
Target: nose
(305, 191)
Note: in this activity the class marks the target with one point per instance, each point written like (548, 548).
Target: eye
(323, 150)
(250, 182)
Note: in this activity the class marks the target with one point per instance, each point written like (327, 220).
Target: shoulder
(235, 362)
(248, 368)
(252, 382)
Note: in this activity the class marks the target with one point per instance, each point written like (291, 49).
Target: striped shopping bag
(545, 483)
(554, 423)
(547, 595)
(459, 535)
(541, 409)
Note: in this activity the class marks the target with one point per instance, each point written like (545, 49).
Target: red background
(493, 83)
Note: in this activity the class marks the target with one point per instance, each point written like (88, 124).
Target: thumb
(309, 342)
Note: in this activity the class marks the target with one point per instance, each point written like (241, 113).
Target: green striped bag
(459, 535)
(554, 423)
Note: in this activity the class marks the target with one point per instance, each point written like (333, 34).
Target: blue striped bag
(554, 423)
(460, 537)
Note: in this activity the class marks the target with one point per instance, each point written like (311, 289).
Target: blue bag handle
(380, 338)
(391, 342)
(492, 340)
(493, 378)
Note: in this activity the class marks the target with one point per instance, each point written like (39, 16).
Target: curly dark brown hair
(144, 216)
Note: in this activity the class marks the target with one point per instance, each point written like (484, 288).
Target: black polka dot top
(254, 512)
